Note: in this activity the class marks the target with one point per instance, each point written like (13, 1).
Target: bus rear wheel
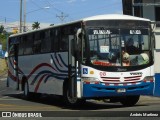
(129, 100)
(26, 92)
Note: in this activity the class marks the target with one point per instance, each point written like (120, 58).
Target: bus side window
(37, 43)
(21, 46)
(43, 45)
(28, 42)
(56, 40)
(52, 39)
(64, 39)
(25, 44)
(46, 41)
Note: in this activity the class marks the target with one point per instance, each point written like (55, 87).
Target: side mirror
(76, 45)
(79, 34)
(153, 40)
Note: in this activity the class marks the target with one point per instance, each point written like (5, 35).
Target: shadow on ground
(58, 102)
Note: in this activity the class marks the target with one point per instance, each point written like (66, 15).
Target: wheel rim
(72, 100)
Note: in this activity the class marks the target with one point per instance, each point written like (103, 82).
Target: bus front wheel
(129, 100)
(69, 100)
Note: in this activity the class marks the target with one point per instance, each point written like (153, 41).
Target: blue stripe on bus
(55, 75)
(63, 71)
(63, 61)
(57, 60)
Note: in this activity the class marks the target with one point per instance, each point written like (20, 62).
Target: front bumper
(101, 90)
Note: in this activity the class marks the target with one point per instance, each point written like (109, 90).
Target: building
(142, 8)
(147, 9)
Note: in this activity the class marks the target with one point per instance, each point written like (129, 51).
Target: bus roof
(114, 17)
(97, 17)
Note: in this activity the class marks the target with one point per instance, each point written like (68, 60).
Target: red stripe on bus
(38, 66)
(39, 82)
(12, 76)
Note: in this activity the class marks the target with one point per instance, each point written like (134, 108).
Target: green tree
(1, 29)
(3, 41)
(36, 25)
(51, 24)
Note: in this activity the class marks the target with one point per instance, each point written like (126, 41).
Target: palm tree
(36, 25)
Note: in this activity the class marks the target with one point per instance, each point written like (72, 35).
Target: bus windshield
(118, 47)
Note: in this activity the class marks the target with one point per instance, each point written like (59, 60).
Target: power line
(58, 10)
(61, 17)
(40, 7)
(52, 5)
(3, 17)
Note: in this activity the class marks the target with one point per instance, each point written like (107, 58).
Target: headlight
(148, 79)
(91, 80)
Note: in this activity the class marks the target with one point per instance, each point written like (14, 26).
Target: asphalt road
(52, 106)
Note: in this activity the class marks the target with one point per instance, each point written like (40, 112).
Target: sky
(46, 12)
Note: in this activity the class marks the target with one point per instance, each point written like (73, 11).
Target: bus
(108, 57)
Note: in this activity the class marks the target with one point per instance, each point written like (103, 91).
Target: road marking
(5, 97)
(30, 109)
(3, 90)
(6, 105)
(3, 79)
(8, 98)
(18, 107)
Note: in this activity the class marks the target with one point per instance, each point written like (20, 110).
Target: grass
(3, 66)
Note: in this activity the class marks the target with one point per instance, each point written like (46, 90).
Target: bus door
(13, 66)
(16, 46)
(72, 69)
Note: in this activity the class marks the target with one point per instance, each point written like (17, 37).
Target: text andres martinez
(144, 115)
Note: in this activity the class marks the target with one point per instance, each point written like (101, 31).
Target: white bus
(100, 57)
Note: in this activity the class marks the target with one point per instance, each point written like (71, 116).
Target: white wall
(149, 12)
(157, 51)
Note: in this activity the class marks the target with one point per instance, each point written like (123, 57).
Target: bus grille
(128, 79)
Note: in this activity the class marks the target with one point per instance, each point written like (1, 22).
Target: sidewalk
(3, 76)
(149, 100)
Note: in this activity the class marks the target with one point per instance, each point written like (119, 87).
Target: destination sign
(101, 32)
(135, 32)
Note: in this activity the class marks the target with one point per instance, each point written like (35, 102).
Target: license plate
(121, 90)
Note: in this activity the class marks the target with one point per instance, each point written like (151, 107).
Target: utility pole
(20, 26)
(24, 10)
(62, 17)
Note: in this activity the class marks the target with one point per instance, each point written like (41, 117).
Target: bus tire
(71, 101)
(129, 100)
(26, 92)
